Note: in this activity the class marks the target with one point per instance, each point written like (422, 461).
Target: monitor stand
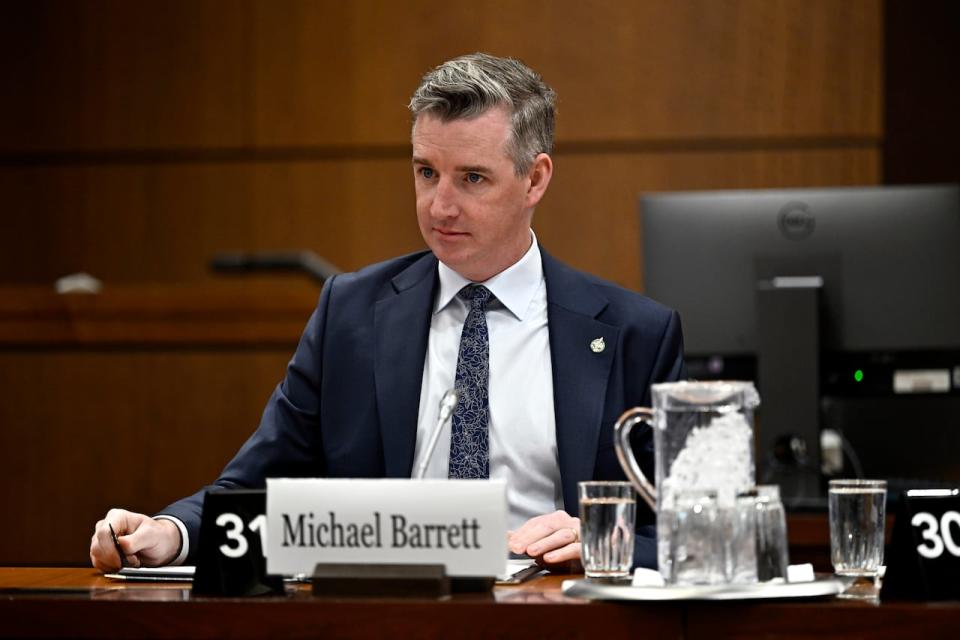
(788, 376)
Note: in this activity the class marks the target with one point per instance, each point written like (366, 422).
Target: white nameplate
(458, 523)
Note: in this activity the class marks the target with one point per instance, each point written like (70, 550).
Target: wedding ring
(576, 534)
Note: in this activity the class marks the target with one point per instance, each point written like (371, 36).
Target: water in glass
(607, 520)
(857, 516)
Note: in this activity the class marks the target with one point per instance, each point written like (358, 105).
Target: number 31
(234, 533)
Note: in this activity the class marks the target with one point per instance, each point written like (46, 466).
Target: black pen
(116, 544)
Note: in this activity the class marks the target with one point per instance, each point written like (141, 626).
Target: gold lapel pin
(598, 345)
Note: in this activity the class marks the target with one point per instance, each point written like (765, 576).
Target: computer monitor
(852, 294)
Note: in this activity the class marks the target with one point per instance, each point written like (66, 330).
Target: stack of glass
(743, 544)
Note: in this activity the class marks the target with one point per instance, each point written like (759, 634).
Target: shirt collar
(514, 287)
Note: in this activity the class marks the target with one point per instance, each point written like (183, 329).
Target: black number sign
(924, 561)
(231, 559)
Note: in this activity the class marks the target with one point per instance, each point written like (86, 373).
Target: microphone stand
(447, 404)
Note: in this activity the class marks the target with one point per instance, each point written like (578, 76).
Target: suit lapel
(402, 327)
(580, 373)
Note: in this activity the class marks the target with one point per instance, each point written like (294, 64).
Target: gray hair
(468, 86)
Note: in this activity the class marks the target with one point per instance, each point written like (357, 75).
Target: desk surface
(79, 603)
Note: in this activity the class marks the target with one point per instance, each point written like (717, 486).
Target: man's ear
(540, 173)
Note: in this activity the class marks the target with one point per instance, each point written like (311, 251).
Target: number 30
(937, 540)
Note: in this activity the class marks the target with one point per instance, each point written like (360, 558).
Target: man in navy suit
(565, 352)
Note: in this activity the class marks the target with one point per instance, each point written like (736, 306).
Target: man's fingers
(155, 542)
(118, 518)
(133, 530)
(103, 551)
(541, 527)
(105, 544)
(123, 526)
(103, 555)
(543, 533)
(143, 540)
(98, 557)
(560, 538)
(125, 522)
(101, 566)
(131, 548)
(133, 543)
(567, 553)
(528, 534)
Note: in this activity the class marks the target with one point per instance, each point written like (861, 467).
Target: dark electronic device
(842, 303)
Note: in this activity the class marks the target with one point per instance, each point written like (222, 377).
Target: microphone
(447, 404)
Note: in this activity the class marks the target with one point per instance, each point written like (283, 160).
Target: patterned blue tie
(469, 448)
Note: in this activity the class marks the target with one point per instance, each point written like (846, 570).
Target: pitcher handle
(621, 442)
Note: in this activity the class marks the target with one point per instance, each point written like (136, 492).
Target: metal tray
(761, 591)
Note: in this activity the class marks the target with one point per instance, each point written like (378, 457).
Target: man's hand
(552, 539)
(145, 541)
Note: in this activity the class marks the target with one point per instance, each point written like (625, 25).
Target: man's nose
(444, 204)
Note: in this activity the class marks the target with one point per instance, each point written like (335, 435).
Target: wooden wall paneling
(302, 79)
(123, 222)
(224, 108)
(198, 75)
(39, 225)
(722, 69)
(227, 107)
(922, 129)
(353, 211)
(623, 70)
(83, 431)
(112, 74)
(163, 222)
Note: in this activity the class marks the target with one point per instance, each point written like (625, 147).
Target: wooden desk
(79, 603)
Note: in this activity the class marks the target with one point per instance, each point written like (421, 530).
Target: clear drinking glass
(740, 539)
(857, 519)
(696, 546)
(772, 552)
(607, 519)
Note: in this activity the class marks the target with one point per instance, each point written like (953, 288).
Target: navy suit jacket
(349, 403)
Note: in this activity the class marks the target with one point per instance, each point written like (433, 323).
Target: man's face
(474, 212)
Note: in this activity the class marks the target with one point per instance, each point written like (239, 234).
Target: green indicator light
(858, 375)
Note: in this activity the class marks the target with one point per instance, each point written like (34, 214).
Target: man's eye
(426, 172)
(474, 178)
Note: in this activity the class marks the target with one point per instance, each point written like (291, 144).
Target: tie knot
(477, 295)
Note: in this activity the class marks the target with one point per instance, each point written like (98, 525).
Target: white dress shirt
(522, 439)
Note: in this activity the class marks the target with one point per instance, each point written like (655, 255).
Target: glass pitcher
(703, 439)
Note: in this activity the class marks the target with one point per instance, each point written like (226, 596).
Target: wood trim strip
(319, 153)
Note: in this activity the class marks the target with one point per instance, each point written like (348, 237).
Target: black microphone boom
(305, 261)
